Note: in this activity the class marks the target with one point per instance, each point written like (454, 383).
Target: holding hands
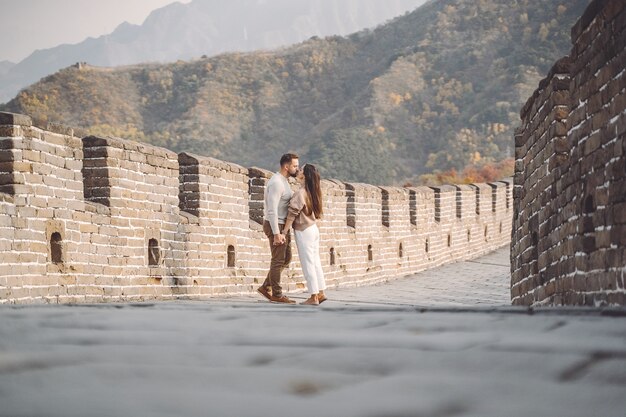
(279, 239)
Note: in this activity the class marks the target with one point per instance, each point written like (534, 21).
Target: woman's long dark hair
(313, 189)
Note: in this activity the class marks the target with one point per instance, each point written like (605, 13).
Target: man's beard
(294, 175)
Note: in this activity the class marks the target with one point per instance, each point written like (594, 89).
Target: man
(277, 196)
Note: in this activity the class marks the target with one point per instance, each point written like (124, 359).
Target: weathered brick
(594, 162)
(141, 185)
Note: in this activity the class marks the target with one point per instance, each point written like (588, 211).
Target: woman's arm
(296, 204)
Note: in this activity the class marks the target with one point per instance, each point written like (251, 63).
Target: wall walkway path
(411, 347)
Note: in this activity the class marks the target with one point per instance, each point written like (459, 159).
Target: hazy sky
(27, 25)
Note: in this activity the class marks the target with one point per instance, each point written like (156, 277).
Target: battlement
(569, 234)
(104, 219)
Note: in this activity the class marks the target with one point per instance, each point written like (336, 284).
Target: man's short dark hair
(286, 158)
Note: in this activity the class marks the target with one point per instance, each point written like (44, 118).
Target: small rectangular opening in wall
(230, 256)
(154, 253)
(350, 206)
(55, 233)
(413, 207)
(56, 248)
(385, 207)
(494, 197)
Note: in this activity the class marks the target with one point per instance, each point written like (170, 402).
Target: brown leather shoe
(264, 292)
(321, 300)
(311, 301)
(282, 299)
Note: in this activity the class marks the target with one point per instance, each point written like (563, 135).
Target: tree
(358, 154)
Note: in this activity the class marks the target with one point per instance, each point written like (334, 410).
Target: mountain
(5, 66)
(208, 27)
(439, 88)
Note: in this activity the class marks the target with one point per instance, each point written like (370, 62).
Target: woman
(305, 207)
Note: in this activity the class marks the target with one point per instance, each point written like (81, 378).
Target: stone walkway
(479, 282)
(440, 343)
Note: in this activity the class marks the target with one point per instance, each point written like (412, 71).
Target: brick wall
(569, 232)
(104, 219)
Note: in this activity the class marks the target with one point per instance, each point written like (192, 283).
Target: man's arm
(274, 191)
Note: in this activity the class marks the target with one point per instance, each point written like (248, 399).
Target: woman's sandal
(310, 302)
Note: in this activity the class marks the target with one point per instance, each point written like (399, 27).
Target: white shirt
(277, 196)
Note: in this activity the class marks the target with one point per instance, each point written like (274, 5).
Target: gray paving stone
(483, 281)
(433, 344)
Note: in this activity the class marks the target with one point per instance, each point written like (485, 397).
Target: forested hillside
(436, 89)
(205, 27)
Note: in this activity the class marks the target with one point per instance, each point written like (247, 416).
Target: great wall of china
(104, 219)
(569, 234)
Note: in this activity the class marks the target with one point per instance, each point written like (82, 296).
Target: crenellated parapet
(104, 219)
(569, 232)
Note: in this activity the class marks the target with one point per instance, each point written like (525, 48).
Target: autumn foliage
(471, 174)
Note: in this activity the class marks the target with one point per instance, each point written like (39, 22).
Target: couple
(299, 210)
